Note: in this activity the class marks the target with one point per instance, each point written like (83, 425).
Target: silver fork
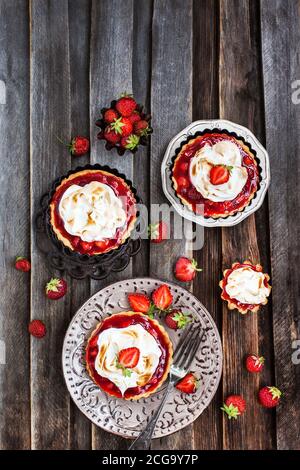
(182, 359)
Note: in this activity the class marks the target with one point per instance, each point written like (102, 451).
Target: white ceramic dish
(124, 417)
(187, 133)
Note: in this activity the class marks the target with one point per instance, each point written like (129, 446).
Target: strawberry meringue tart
(129, 355)
(215, 174)
(245, 287)
(93, 211)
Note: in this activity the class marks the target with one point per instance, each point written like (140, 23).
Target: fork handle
(143, 441)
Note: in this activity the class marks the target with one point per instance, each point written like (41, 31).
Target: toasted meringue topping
(222, 153)
(92, 212)
(247, 286)
(112, 341)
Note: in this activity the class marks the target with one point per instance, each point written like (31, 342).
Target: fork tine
(182, 343)
(183, 357)
(186, 362)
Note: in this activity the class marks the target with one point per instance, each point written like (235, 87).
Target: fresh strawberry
(22, 264)
(219, 174)
(130, 142)
(110, 115)
(135, 117)
(162, 297)
(188, 384)
(37, 328)
(111, 136)
(129, 357)
(141, 128)
(139, 302)
(122, 126)
(177, 320)
(158, 232)
(126, 105)
(79, 146)
(254, 363)
(185, 269)
(269, 397)
(56, 288)
(86, 246)
(234, 406)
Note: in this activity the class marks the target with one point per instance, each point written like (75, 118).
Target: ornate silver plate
(127, 418)
(261, 156)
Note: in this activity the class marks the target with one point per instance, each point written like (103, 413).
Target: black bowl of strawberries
(124, 125)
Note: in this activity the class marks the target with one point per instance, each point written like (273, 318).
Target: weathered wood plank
(207, 428)
(239, 81)
(14, 225)
(79, 39)
(141, 78)
(50, 116)
(281, 68)
(110, 75)
(171, 107)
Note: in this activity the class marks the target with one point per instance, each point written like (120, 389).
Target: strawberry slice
(129, 357)
(139, 302)
(188, 384)
(162, 297)
(219, 174)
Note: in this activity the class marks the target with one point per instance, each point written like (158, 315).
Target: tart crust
(233, 303)
(64, 239)
(188, 204)
(168, 346)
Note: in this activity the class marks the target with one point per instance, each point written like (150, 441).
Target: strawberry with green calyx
(56, 288)
(111, 136)
(122, 126)
(130, 142)
(126, 105)
(22, 264)
(269, 397)
(186, 269)
(135, 117)
(141, 303)
(177, 319)
(78, 146)
(162, 297)
(234, 406)
(254, 364)
(141, 128)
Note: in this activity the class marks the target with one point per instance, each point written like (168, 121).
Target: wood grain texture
(280, 54)
(49, 116)
(110, 75)
(79, 43)
(141, 79)
(171, 106)
(14, 225)
(207, 428)
(239, 102)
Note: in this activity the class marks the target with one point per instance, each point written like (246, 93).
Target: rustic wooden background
(60, 62)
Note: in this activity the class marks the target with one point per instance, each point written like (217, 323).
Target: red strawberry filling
(123, 321)
(186, 190)
(121, 190)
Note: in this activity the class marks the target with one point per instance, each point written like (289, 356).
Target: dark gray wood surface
(61, 61)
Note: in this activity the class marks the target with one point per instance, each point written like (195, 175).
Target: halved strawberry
(219, 174)
(177, 319)
(129, 357)
(162, 297)
(188, 384)
(185, 269)
(139, 302)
